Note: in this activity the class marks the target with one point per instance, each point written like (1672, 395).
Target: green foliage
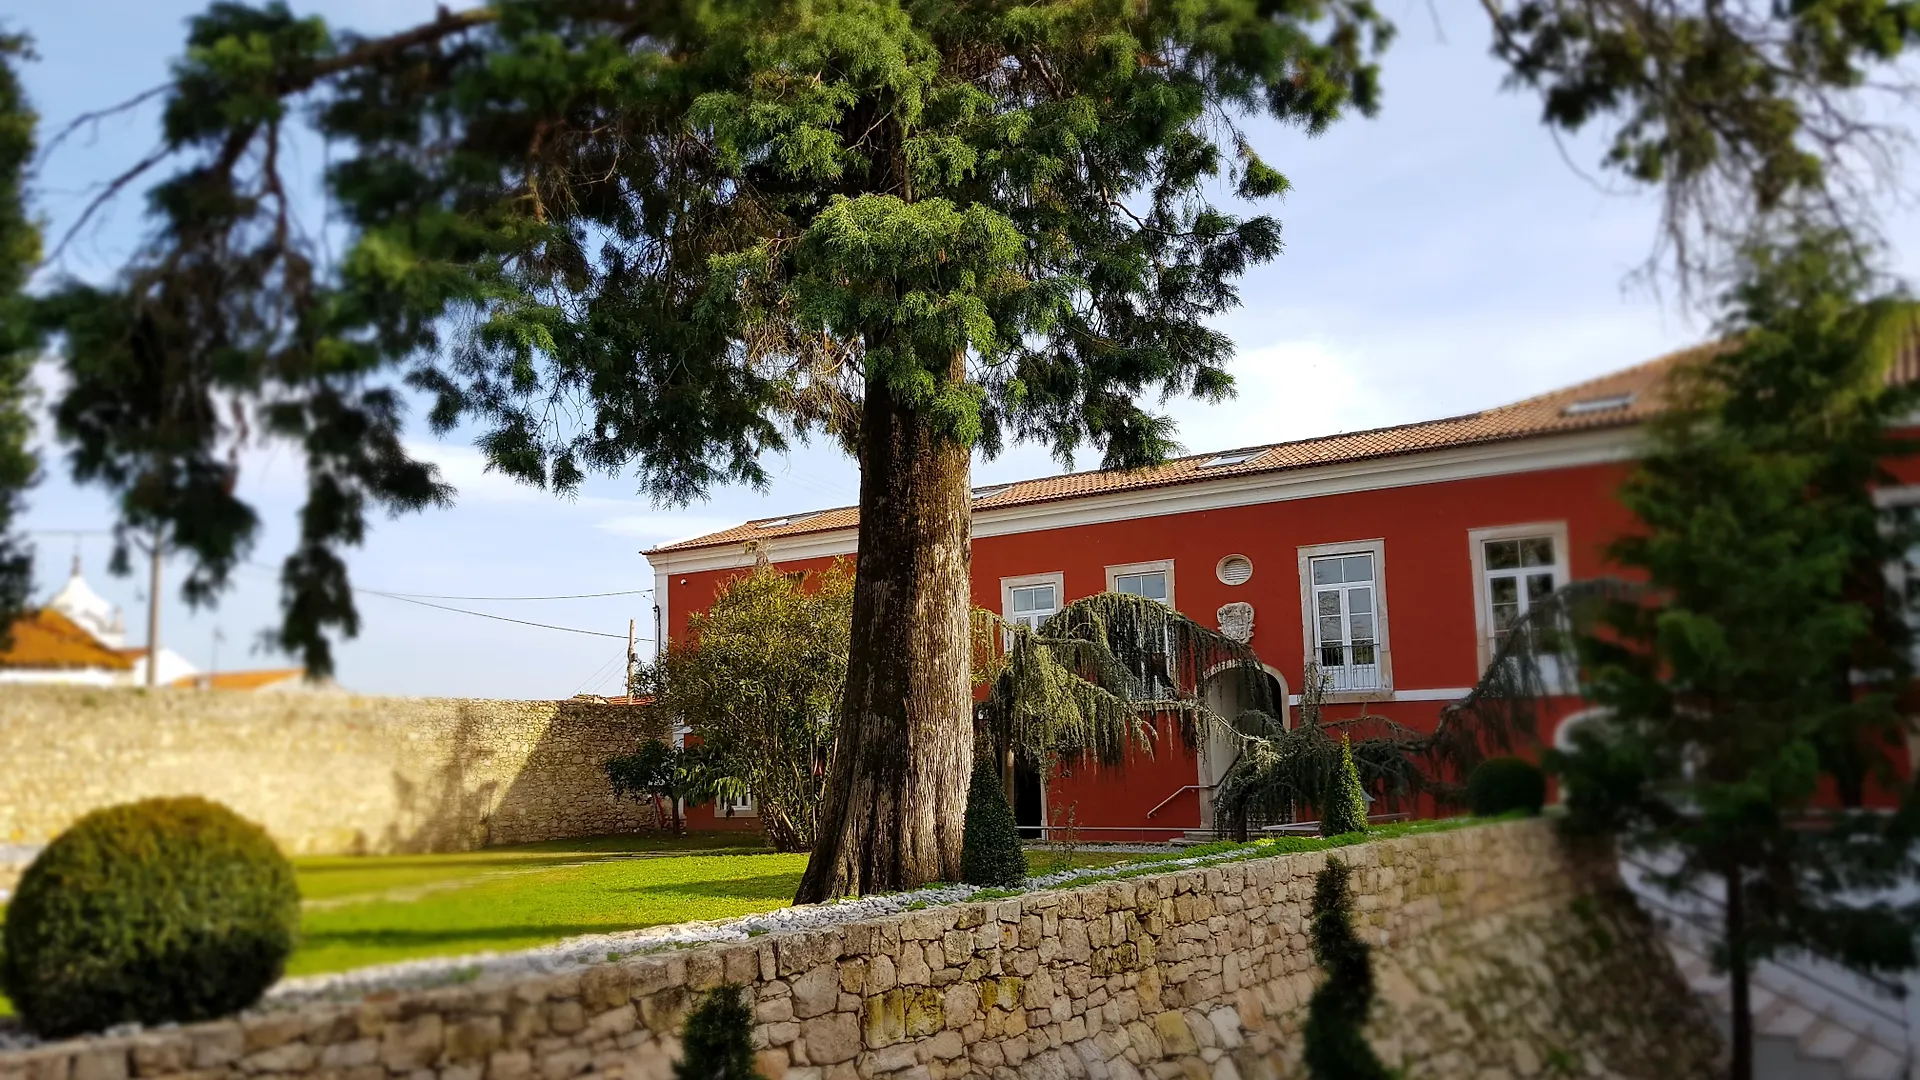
(658, 770)
(156, 911)
(1763, 663)
(1282, 771)
(1345, 807)
(757, 681)
(990, 854)
(19, 337)
(718, 1040)
(1335, 1045)
(1503, 784)
(711, 228)
(1098, 677)
(1738, 111)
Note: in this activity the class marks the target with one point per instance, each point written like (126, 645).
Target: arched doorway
(1228, 695)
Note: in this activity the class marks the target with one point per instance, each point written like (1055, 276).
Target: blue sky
(1439, 259)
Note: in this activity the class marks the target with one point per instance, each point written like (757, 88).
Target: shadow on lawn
(762, 887)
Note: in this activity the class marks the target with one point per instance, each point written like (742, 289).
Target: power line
(575, 596)
(413, 598)
(500, 618)
(594, 679)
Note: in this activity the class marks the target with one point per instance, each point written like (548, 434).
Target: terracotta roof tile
(48, 640)
(1620, 399)
(237, 680)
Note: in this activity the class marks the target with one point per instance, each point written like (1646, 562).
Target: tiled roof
(1618, 400)
(47, 640)
(237, 680)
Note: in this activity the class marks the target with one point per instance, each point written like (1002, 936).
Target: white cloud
(476, 481)
(1287, 390)
(664, 527)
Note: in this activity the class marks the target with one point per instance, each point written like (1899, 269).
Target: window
(1346, 615)
(740, 807)
(1031, 600)
(1515, 568)
(1598, 405)
(1152, 652)
(1232, 457)
(1902, 507)
(1153, 580)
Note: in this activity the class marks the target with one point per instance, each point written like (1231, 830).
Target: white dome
(89, 610)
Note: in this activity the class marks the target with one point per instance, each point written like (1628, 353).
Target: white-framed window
(1153, 580)
(740, 807)
(1902, 506)
(1515, 567)
(1032, 599)
(1343, 605)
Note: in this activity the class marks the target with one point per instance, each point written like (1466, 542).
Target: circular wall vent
(1235, 570)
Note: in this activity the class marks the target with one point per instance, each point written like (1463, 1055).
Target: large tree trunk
(1739, 978)
(903, 750)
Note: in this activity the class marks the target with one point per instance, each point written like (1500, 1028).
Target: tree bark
(1739, 978)
(896, 792)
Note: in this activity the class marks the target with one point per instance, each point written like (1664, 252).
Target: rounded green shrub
(160, 910)
(1504, 784)
(990, 852)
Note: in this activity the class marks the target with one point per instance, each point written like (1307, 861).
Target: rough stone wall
(1502, 956)
(325, 773)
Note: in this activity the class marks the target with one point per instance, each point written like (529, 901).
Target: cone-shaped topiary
(990, 852)
(1335, 1047)
(1346, 809)
(718, 1039)
(155, 911)
(1501, 784)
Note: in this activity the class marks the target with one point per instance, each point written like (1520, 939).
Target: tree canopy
(757, 682)
(1760, 668)
(664, 239)
(19, 341)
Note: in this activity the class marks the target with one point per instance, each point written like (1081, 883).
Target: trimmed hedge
(990, 852)
(154, 911)
(1504, 784)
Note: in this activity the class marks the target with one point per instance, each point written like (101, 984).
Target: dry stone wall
(324, 772)
(1502, 955)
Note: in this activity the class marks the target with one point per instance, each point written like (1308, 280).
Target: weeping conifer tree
(1102, 676)
(1108, 673)
(1281, 771)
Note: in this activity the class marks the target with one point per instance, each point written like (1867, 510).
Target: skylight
(791, 519)
(1599, 404)
(990, 490)
(1232, 457)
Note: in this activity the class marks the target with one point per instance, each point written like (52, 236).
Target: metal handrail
(1182, 791)
(1892, 989)
(1877, 1008)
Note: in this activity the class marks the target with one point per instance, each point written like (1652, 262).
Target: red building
(1390, 556)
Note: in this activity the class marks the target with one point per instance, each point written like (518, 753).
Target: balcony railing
(1350, 668)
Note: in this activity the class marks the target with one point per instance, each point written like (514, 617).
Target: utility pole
(153, 615)
(627, 688)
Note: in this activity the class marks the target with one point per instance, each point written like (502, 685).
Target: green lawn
(363, 910)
